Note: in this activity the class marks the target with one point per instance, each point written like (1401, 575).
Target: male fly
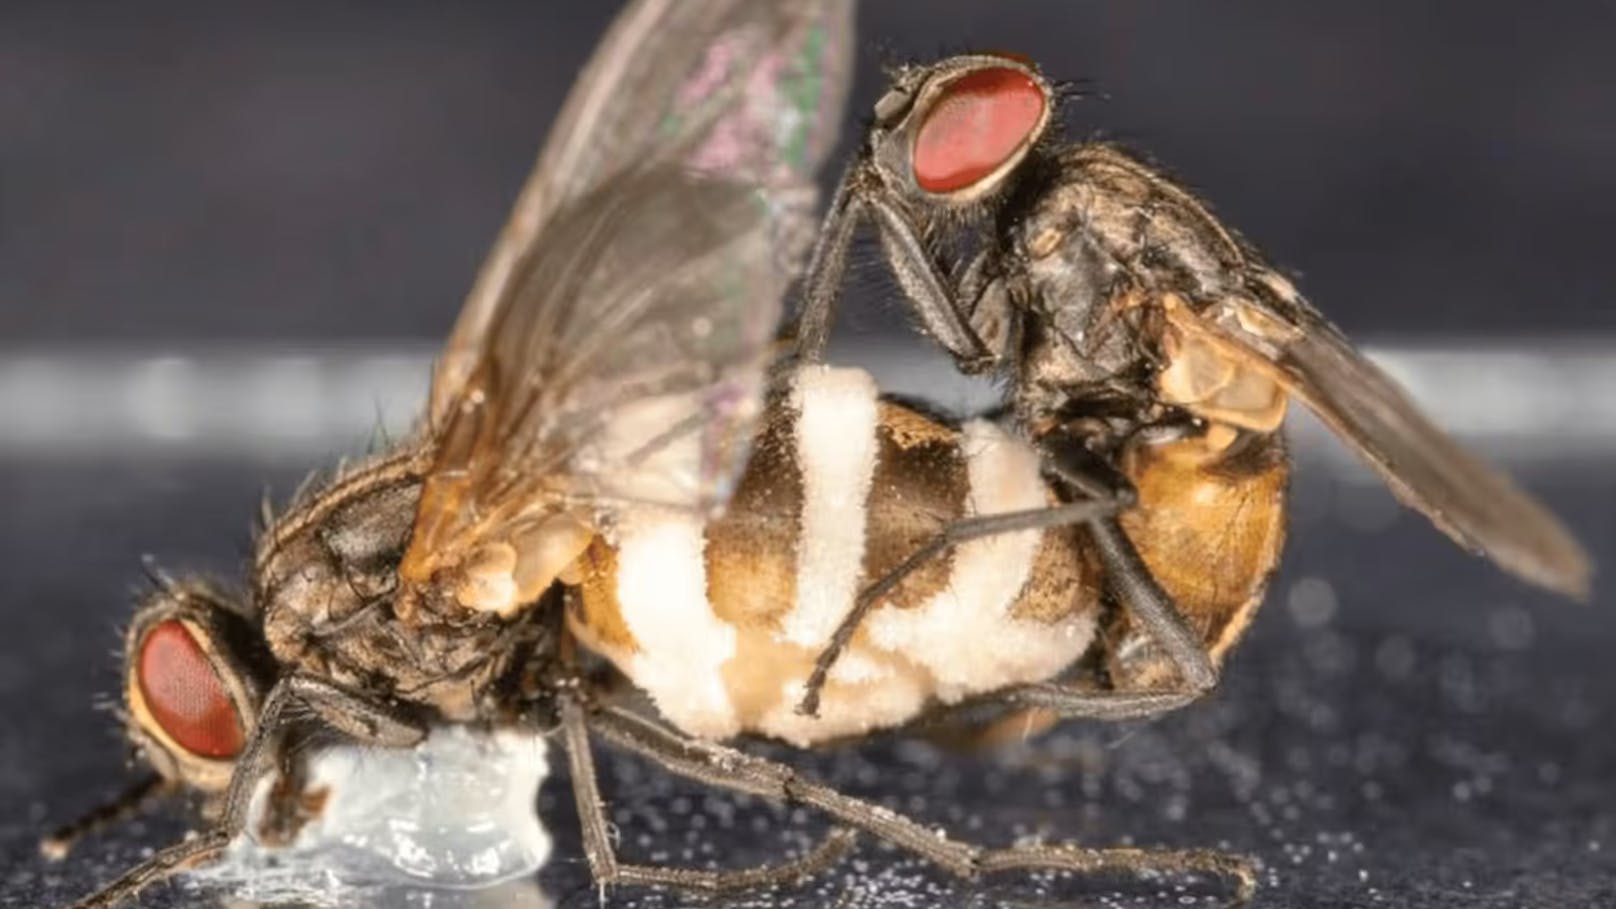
(1150, 354)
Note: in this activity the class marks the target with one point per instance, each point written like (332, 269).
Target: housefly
(1150, 352)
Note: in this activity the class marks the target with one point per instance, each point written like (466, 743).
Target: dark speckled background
(1405, 727)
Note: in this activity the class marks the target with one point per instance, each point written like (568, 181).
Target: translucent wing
(754, 90)
(1471, 501)
(613, 349)
(609, 379)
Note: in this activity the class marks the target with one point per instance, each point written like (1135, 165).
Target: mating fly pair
(589, 419)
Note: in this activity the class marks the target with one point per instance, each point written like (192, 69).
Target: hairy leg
(341, 709)
(56, 844)
(608, 871)
(727, 768)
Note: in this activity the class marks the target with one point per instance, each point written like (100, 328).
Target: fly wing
(615, 345)
(1471, 501)
(610, 379)
(749, 89)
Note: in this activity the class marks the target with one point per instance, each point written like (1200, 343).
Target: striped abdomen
(720, 623)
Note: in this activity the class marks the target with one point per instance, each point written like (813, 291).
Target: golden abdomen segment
(720, 623)
(1210, 524)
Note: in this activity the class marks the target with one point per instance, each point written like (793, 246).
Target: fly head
(195, 673)
(951, 134)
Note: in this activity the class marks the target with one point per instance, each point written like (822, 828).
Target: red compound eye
(978, 123)
(184, 694)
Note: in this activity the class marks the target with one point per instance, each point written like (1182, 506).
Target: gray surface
(1419, 732)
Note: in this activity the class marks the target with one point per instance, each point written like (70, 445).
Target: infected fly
(1150, 354)
(611, 356)
(582, 482)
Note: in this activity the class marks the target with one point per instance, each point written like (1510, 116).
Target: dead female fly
(589, 419)
(1151, 353)
(612, 355)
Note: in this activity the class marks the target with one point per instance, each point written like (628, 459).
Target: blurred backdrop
(180, 171)
(238, 232)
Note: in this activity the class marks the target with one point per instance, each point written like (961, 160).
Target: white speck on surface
(1395, 658)
(1312, 602)
(1511, 628)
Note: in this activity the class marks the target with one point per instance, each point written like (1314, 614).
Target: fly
(1149, 354)
(636, 288)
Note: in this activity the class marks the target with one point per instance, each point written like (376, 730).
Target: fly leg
(343, 710)
(952, 535)
(1147, 603)
(361, 718)
(727, 768)
(189, 853)
(861, 194)
(1154, 609)
(1062, 699)
(1107, 492)
(827, 267)
(1129, 578)
(602, 856)
(136, 796)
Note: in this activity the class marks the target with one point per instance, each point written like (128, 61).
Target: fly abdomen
(1210, 526)
(721, 623)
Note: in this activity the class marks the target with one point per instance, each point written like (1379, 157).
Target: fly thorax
(328, 588)
(1056, 377)
(1077, 329)
(994, 318)
(332, 566)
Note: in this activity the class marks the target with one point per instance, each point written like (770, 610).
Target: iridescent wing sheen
(1469, 500)
(754, 90)
(615, 345)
